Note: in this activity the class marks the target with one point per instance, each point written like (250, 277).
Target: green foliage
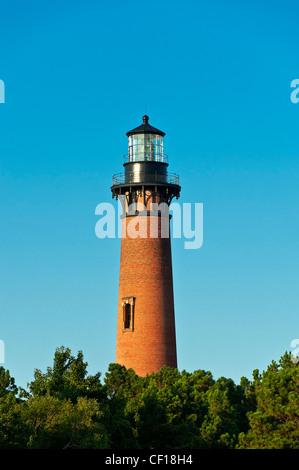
(7, 383)
(274, 424)
(173, 409)
(67, 379)
(67, 408)
(55, 423)
(12, 431)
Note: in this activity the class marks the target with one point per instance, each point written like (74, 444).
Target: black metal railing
(123, 178)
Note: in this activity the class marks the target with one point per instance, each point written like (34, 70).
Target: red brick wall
(146, 274)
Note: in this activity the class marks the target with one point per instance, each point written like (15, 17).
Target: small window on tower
(127, 316)
(128, 313)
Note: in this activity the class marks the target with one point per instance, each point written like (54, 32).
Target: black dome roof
(145, 128)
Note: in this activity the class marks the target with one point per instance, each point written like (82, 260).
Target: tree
(122, 386)
(173, 409)
(275, 422)
(12, 432)
(7, 383)
(53, 423)
(67, 408)
(67, 378)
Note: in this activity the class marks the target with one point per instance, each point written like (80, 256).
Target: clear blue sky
(215, 76)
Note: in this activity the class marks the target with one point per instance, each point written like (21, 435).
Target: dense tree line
(67, 408)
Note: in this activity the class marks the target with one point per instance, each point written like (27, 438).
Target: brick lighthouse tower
(146, 325)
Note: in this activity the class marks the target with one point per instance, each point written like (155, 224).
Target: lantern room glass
(145, 147)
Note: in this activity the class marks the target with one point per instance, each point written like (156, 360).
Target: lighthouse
(146, 338)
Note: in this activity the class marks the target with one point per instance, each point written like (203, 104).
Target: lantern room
(146, 143)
